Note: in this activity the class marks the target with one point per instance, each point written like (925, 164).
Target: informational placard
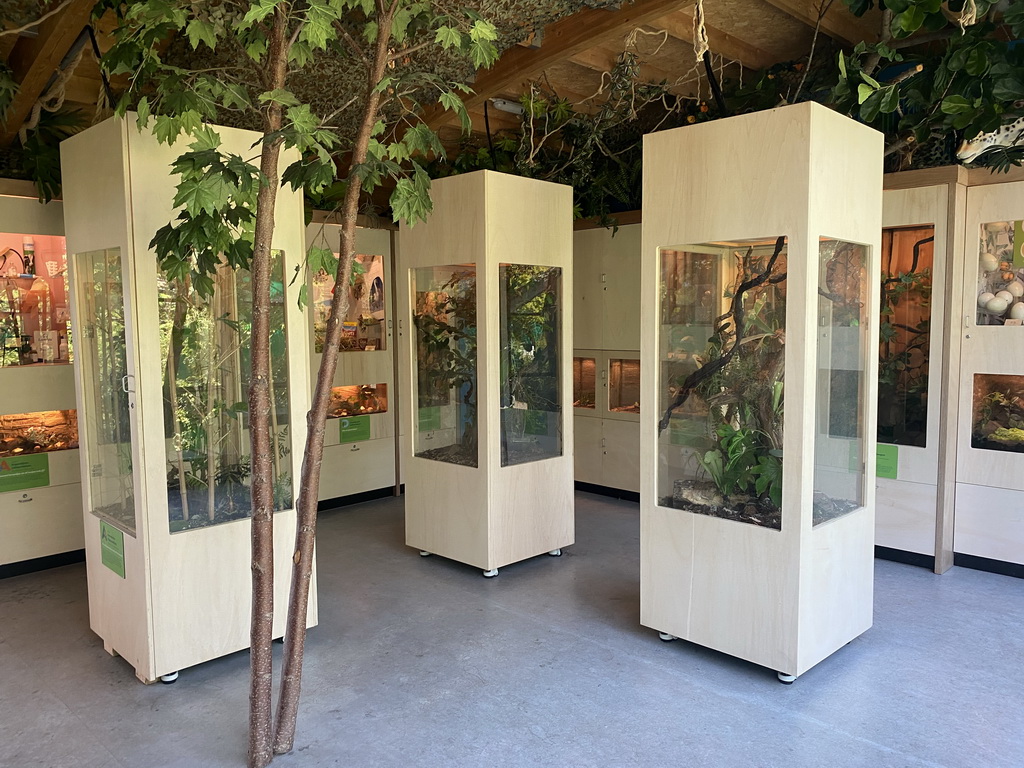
(112, 548)
(1018, 244)
(24, 471)
(888, 459)
(429, 418)
(354, 429)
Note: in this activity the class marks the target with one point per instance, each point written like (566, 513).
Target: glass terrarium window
(720, 386)
(34, 316)
(624, 386)
(358, 400)
(998, 414)
(839, 420)
(1001, 274)
(205, 348)
(905, 335)
(39, 432)
(531, 417)
(584, 383)
(362, 329)
(445, 384)
(99, 291)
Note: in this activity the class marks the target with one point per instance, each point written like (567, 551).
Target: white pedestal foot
(666, 637)
(555, 553)
(168, 678)
(786, 679)
(424, 553)
(491, 573)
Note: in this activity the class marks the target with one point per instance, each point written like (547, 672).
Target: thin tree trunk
(212, 416)
(262, 627)
(172, 391)
(305, 534)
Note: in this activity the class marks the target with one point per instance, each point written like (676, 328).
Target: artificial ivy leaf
(864, 91)
(450, 100)
(142, 113)
(258, 11)
(890, 99)
(200, 31)
(279, 96)
(448, 37)
(954, 105)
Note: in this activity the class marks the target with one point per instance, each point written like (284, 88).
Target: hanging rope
(700, 33)
(53, 98)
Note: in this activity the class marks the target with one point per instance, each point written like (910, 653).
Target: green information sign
(1018, 244)
(887, 463)
(536, 423)
(354, 429)
(429, 419)
(20, 472)
(112, 548)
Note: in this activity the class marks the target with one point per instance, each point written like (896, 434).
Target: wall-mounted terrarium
(531, 420)
(358, 400)
(1000, 288)
(445, 384)
(905, 334)
(39, 432)
(204, 345)
(362, 329)
(721, 387)
(34, 315)
(584, 382)
(624, 385)
(998, 413)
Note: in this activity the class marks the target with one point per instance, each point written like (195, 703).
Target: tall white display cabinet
(161, 379)
(487, 281)
(40, 493)
(360, 442)
(760, 243)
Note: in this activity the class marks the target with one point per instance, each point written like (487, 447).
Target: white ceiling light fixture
(505, 105)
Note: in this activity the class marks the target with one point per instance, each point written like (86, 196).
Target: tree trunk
(262, 627)
(309, 483)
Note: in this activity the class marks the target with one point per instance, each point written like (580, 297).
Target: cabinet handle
(24, 498)
(354, 448)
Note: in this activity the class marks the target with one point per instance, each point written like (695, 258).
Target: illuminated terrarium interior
(34, 315)
(205, 344)
(584, 383)
(445, 381)
(362, 329)
(722, 356)
(998, 413)
(358, 400)
(905, 334)
(1000, 287)
(530, 306)
(624, 385)
(39, 432)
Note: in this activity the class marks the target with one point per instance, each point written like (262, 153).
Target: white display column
(487, 333)
(360, 440)
(760, 250)
(162, 378)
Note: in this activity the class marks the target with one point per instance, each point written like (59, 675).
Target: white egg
(985, 298)
(1017, 311)
(1016, 288)
(997, 305)
(1005, 296)
(989, 262)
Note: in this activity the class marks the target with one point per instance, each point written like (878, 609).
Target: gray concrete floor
(422, 662)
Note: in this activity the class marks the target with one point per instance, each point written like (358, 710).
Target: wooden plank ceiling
(569, 55)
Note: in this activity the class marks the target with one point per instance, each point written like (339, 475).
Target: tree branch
(38, 21)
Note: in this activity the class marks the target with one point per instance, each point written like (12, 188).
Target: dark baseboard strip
(900, 556)
(603, 490)
(42, 563)
(357, 498)
(992, 566)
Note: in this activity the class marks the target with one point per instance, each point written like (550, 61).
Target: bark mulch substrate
(702, 498)
(451, 454)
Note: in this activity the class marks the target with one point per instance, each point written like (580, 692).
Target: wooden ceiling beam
(561, 40)
(838, 23)
(680, 26)
(33, 60)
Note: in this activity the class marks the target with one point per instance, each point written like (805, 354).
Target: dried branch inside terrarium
(39, 432)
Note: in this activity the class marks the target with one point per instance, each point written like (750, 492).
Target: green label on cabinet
(429, 418)
(20, 472)
(1018, 244)
(112, 548)
(887, 463)
(355, 429)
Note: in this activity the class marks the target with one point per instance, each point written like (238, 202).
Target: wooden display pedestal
(487, 333)
(782, 207)
(168, 562)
